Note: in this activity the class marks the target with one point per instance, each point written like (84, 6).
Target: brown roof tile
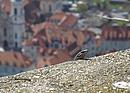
(57, 57)
(115, 32)
(69, 21)
(6, 6)
(25, 2)
(14, 59)
(38, 27)
(57, 16)
(64, 19)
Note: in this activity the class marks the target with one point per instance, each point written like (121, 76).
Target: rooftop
(14, 59)
(104, 74)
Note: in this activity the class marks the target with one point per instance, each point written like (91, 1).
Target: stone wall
(104, 74)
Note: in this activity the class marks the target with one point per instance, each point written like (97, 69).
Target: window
(5, 32)
(16, 44)
(6, 63)
(56, 45)
(5, 43)
(15, 11)
(45, 65)
(50, 8)
(16, 35)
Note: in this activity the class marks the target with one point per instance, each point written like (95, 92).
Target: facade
(50, 6)
(112, 38)
(30, 52)
(18, 23)
(12, 26)
(6, 37)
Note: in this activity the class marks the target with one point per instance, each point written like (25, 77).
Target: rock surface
(105, 74)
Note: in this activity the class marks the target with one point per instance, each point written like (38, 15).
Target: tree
(82, 8)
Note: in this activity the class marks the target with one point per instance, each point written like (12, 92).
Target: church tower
(17, 17)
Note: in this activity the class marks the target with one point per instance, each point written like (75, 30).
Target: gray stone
(97, 75)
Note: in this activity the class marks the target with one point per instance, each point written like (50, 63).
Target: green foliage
(121, 23)
(82, 8)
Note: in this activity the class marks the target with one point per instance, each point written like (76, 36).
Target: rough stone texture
(96, 75)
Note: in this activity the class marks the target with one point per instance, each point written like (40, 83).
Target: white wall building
(6, 37)
(50, 6)
(18, 22)
(31, 52)
(12, 26)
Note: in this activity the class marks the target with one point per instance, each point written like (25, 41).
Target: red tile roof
(64, 19)
(58, 16)
(14, 59)
(6, 6)
(58, 56)
(69, 21)
(116, 33)
(38, 27)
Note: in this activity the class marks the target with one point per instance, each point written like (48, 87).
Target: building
(12, 26)
(31, 51)
(112, 38)
(65, 20)
(6, 37)
(50, 6)
(18, 23)
(65, 42)
(13, 62)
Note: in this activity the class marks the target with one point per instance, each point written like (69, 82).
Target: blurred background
(40, 33)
